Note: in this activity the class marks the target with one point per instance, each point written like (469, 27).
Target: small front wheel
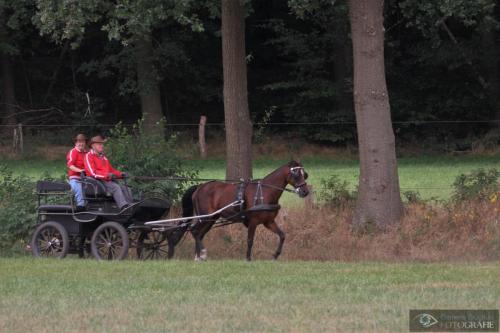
(110, 242)
(152, 245)
(50, 239)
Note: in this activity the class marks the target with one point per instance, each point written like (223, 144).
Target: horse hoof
(203, 255)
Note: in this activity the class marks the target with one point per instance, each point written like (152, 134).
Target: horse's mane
(290, 164)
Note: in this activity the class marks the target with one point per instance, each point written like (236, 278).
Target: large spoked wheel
(152, 245)
(50, 240)
(110, 242)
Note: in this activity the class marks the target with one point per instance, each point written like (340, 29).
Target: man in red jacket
(98, 166)
(75, 163)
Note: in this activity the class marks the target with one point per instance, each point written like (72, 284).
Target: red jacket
(76, 158)
(99, 167)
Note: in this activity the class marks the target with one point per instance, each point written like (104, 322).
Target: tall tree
(148, 85)
(133, 23)
(379, 199)
(8, 93)
(14, 27)
(237, 117)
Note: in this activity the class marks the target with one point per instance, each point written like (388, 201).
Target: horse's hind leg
(171, 247)
(251, 236)
(274, 228)
(204, 230)
(199, 232)
(197, 240)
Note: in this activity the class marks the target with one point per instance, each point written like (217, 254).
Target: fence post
(14, 139)
(21, 139)
(17, 139)
(201, 137)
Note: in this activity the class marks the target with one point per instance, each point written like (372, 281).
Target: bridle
(296, 172)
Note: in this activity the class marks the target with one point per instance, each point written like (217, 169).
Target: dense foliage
(479, 184)
(141, 155)
(17, 207)
(74, 63)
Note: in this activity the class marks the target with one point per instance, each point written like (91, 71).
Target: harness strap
(240, 195)
(259, 195)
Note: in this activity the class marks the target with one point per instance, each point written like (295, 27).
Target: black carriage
(101, 230)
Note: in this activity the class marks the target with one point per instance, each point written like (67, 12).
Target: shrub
(334, 192)
(412, 197)
(479, 184)
(148, 155)
(17, 207)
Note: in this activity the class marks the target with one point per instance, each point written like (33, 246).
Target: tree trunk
(8, 94)
(379, 199)
(342, 70)
(489, 68)
(237, 117)
(148, 86)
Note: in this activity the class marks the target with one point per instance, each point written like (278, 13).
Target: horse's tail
(187, 201)
(187, 210)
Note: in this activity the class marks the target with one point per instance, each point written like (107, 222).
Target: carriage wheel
(110, 242)
(152, 245)
(50, 240)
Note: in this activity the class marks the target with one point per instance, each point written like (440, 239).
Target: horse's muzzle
(302, 191)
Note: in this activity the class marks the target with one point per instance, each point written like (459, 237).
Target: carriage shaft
(168, 221)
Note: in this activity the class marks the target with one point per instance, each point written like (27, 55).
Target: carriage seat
(94, 188)
(45, 186)
(55, 208)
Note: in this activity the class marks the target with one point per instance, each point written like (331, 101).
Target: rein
(232, 181)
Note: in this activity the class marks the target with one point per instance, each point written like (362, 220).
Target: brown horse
(254, 202)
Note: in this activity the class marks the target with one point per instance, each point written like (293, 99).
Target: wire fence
(327, 123)
(444, 189)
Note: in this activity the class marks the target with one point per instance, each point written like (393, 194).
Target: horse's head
(296, 177)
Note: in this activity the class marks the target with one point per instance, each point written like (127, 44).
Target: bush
(479, 184)
(334, 192)
(17, 207)
(148, 155)
(412, 197)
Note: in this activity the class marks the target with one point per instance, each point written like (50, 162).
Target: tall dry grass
(428, 233)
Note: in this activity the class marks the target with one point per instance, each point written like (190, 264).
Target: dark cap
(97, 139)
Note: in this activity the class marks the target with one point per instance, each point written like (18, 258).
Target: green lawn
(432, 176)
(74, 295)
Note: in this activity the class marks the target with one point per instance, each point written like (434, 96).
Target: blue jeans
(76, 187)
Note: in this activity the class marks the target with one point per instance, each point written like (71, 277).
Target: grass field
(74, 295)
(431, 176)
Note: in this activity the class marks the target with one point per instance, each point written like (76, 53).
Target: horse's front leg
(274, 228)
(251, 235)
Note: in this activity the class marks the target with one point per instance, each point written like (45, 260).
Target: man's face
(98, 147)
(80, 145)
